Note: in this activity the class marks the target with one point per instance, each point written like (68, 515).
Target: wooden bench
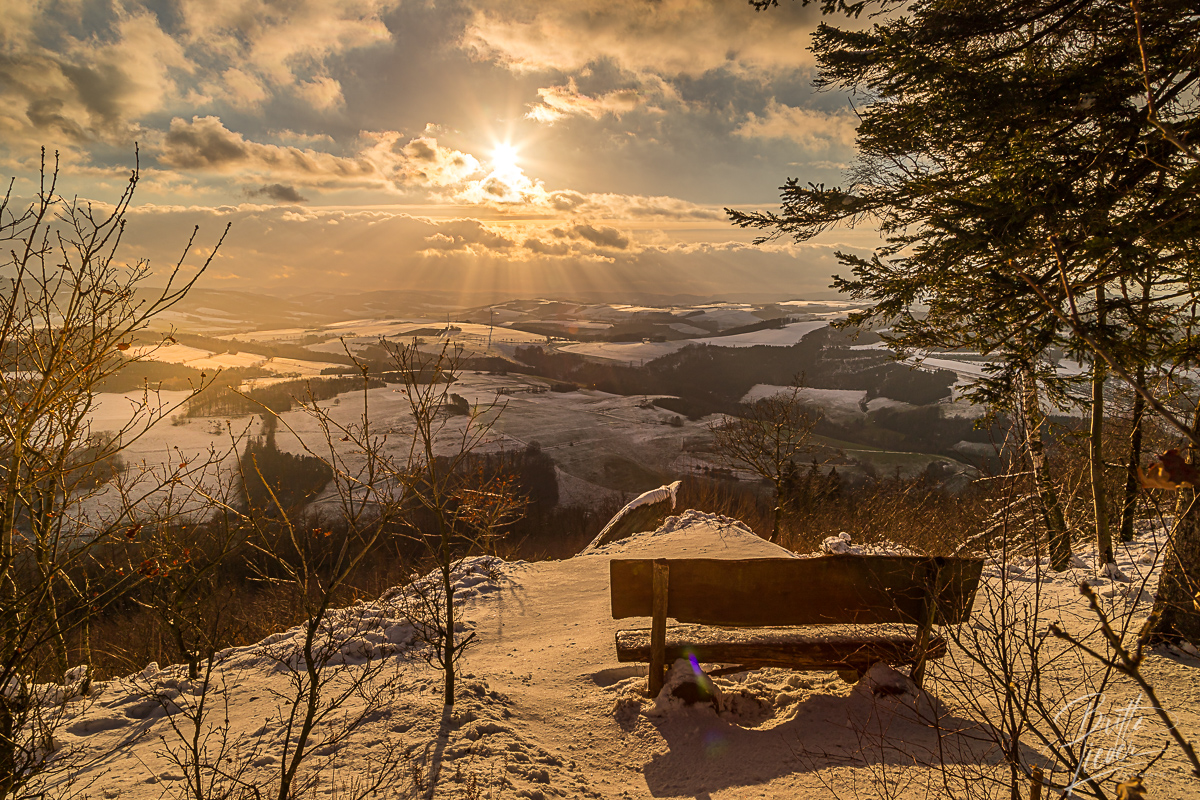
(903, 596)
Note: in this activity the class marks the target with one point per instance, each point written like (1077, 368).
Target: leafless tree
(459, 505)
(767, 438)
(69, 310)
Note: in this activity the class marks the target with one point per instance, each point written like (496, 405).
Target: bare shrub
(69, 310)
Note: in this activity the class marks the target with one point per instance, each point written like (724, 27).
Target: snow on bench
(900, 598)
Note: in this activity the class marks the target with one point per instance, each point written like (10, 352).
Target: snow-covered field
(837, 402)
(545, 710)
(597, 439)
(204, 449)
(362, 333)
(637, 351)
(207, 360)
(601, 439)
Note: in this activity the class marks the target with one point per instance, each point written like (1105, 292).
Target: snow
(786, 336)
(362, 333)
(206, 360)
(545, 710)
(841, 400)
(842, 544)
(295, 366)
(964, 369)
(169, 353)
(662, 494)
(626, 351)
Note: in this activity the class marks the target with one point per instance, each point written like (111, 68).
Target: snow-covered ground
(597, 439)
(207, 360)
(545, 710)
(363, 333)
(836, 402)
(202, 450)
(637, 351)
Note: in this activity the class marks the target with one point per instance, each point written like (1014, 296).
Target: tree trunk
(1052, 514)
(1176, 605)
(8, 747)
(1129, 502)
(1104, 546)
(777, 513)
(448, 644)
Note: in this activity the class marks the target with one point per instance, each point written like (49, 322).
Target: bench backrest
(841, 589)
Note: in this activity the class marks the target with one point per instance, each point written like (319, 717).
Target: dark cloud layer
(279, 193)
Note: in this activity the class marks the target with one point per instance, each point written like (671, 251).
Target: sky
(524, 146)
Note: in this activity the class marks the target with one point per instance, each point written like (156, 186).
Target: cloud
(92, 88)
(813, 130)
(278, 192)
(322, 93)
(387, 160)
(602, 236)
(474, 237)
(469, 236)
(284, 46)
(302, 138)
(384, 159)
(558, 102)
(279, 248)
(542, 247)
(420, 161)
(666, 37)
(100, 76)
(239, 88)
(205, 144)
(626, 206)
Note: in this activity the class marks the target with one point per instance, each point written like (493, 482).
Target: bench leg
(925, 624)
(658, 627)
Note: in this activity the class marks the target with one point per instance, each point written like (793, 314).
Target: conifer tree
(1008, 157)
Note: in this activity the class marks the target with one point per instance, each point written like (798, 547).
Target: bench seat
(838, 613)
(824, 647)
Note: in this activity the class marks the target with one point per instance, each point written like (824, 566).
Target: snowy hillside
(546, 711)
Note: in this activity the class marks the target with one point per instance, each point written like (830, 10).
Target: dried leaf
(1131, 789)
(1171, 471)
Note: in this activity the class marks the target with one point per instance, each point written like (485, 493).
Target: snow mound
(693, 517)
(367, 631)
(841, 544)
(690, 521)
(471, 578)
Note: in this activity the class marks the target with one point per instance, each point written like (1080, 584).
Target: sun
(504, 158)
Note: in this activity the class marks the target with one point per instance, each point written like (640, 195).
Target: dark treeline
(923, 429)
(275, 482)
